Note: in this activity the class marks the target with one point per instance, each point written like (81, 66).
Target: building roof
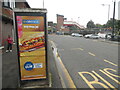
(60, 15)
(70, 23)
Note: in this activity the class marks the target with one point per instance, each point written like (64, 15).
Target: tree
(110, 23)
(90, 24)
(118, 24)
(118, 27)
(98, 26)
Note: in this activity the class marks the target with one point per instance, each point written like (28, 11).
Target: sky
(80, 11)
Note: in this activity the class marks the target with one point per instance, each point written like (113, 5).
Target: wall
(60, 21)
(6, 30)
(22, 5)
(7, 22)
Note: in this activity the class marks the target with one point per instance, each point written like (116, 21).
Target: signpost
(31, 33)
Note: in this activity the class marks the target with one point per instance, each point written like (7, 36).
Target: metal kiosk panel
(31, 33)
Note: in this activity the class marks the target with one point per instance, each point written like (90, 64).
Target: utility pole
(113, 21)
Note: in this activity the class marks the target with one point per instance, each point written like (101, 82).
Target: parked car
(87, 36)
(116, 38)
(76, 35)
(59, 33)
(94, 36)
(108, 36)
(102, 35)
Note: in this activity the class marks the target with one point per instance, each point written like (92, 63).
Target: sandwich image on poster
(31, 44)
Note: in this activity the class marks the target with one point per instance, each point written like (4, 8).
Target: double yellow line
(70, 83)
(66, 79)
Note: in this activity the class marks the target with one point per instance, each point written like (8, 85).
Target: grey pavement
(10, 75)
(109, 41)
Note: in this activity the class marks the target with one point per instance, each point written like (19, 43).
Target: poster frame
(31, 12)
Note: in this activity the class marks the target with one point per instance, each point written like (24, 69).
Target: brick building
(60, 21)
(67, 27)
(7, 19)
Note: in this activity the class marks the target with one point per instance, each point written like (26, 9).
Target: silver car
(94, 36)
(76, 35)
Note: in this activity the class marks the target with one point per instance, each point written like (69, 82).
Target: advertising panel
(31, 47)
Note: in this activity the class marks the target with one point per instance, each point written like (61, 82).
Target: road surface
(90, 62)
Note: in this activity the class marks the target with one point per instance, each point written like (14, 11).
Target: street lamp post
(108, 9)
(78, 19)
(43, 3)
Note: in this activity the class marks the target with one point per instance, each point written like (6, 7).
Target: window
(9, 3)
(12, 3)
(6, 3)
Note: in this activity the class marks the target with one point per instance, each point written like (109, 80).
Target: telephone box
(31, 38)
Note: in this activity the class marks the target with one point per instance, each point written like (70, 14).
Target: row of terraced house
(6, 19)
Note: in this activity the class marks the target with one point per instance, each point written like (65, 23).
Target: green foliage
(90, 24)
(98, 26)
(73, 27)
(118, 24)
(110, 23)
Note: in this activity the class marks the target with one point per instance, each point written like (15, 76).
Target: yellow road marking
(71, 83)
(77, 48)
(91, 83)
(107, 71)
(110, 62)
(65, 72)
(104, 80)
(91, 54)
(110, 76)
(74, 48)
(81, 49)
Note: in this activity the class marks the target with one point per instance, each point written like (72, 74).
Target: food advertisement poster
(31, 47)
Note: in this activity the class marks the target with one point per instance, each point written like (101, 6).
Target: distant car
(94, 36)
(76, 35)
(59, 33)
(102, 35)
(108, 36)
(116, 38)
(87, 36)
